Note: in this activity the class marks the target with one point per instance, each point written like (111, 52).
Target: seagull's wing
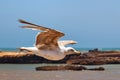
(46, 40)
(66, 42)
(32, 26)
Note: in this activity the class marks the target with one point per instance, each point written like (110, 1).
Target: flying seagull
(47, 44)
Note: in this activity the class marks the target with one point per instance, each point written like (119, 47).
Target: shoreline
(92, 57)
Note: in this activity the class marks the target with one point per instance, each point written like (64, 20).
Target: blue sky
(92, 23)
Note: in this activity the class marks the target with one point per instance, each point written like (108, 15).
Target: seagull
(47, 43)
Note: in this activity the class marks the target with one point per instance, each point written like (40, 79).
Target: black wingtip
(25, 22)
(21, 21)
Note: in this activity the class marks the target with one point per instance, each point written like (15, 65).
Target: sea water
(28, 72)
(80, 49)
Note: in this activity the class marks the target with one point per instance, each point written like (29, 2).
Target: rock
(94, 50)
(67, 67)
(15, 58)
(61, 67)
(94, 57)
(87, 61)
(97, 69)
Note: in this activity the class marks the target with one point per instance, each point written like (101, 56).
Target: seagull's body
(47, 44)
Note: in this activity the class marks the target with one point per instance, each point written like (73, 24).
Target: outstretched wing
(46, 40)
(32, 26)
(66, 42)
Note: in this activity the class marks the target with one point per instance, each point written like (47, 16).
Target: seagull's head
(70, 50)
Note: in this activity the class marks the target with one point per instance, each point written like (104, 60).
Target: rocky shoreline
(92, 57)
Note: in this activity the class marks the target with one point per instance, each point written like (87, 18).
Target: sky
(92, 23)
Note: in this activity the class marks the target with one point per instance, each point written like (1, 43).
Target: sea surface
(28, 72)
(80, 49)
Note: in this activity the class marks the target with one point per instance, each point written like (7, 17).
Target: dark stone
(61, 67)
(94, 50)
(97, 69)
(67, 67)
